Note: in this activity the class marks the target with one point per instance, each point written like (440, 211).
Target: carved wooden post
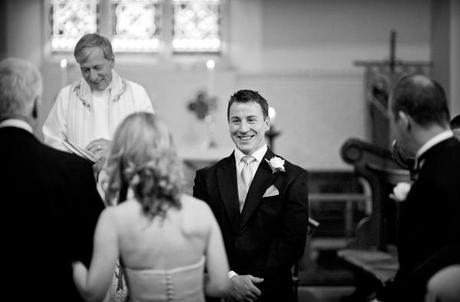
(380, 76)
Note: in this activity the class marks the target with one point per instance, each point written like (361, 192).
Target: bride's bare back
(178, 239)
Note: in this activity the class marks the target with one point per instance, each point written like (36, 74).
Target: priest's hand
(99, 147)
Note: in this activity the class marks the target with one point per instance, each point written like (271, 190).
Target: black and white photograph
(230, 150)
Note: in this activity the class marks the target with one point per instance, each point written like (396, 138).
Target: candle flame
(210, 64)
(63, 63)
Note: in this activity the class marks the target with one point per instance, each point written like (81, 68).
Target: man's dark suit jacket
(268, 237)
(50, 207)
(429, 223)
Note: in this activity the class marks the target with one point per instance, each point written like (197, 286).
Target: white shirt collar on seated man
(17, 123)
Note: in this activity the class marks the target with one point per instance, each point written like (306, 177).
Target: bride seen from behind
(163, 238)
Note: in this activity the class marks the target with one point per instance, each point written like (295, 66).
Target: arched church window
(69, 21)
(138, 26)
(196, 26)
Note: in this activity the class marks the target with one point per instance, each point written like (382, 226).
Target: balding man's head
(422, 98)
(20, 89)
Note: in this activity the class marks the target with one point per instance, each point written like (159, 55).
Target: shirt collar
(434, 141)
(116, 88)
(104, 93)
(17, 123)
(258, 155)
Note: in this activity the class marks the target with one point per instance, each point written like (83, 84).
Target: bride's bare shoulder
(194, 206)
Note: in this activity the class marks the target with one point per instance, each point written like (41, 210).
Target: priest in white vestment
(87, 112)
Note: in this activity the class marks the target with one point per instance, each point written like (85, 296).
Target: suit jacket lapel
(262, 180)
(227, 183)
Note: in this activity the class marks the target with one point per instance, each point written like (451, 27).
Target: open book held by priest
(79, 151)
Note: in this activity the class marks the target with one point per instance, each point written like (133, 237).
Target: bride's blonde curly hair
(143, 158)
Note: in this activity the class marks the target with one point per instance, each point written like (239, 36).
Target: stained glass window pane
(136, 25)
(196, 26)
(70, 20)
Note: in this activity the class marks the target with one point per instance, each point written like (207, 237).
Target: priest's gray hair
(93, 40)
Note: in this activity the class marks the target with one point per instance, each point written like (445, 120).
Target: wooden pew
(377, 167)
(372, 252)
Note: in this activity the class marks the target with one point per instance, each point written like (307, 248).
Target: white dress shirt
(18, 124)
(258, 155)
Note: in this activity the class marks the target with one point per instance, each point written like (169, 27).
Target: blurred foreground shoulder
(198, 206)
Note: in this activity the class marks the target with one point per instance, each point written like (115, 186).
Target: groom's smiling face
(247, 126)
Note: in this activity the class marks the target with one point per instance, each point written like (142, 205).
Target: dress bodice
(183, 283)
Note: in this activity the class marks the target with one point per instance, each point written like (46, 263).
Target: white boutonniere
(276, 164)
(400, 191)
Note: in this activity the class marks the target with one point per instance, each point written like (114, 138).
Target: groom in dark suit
(261, 204)
(50, 204)
(429, 222)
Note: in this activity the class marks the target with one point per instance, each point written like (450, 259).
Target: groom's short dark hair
(246, 96)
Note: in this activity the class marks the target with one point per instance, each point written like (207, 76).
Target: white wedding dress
(181, 284)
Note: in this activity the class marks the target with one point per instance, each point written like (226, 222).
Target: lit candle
(63, 72)
(210, 64)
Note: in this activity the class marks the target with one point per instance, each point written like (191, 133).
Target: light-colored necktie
(244, 181)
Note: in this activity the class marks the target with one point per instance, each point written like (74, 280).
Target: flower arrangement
(202, 105)
(276, 164)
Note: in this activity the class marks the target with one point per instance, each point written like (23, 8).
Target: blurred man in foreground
(50, 197)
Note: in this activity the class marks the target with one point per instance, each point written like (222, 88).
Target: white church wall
(297, 53)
